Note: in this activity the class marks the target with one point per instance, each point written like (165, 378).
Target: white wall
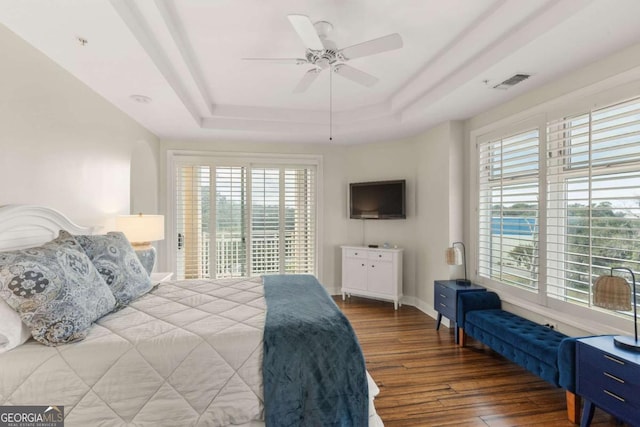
(439, 206)
(379, 162)
(61, 144)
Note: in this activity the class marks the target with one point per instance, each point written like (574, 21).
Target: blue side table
(445, 300)
(608, 377)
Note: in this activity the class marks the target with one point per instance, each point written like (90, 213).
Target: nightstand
(445, 300)
(608, 377)
(161, 277)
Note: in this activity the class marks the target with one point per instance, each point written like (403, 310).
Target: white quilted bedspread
(187, 353)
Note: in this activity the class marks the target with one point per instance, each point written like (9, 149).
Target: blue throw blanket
(313, 368)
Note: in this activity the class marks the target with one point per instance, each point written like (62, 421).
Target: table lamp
(615, 293)
(141, 230)
(454, 256)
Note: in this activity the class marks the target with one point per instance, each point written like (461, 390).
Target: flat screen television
(377, 200)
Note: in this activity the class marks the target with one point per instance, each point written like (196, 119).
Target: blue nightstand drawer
(617, 402)
(445, 301)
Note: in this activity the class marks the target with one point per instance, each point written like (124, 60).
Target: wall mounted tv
(377, 200)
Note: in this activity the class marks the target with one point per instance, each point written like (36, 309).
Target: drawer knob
(444, 305)
(615, 396)
(443, 295)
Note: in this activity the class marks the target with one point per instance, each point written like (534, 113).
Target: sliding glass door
(244, 220)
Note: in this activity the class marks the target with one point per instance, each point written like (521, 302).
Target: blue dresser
(608, 377)
(445, 300)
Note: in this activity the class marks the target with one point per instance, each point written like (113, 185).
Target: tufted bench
(537, 348)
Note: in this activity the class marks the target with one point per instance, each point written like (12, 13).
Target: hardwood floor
(426, 380)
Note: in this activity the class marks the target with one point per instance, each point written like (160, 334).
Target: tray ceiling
(186, 57)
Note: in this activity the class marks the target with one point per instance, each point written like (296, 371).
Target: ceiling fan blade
(307, 32)
(295, 61)
(306, 80)
(371, 47)
(355, 75)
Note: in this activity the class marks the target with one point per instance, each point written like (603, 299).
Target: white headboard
(23, 226)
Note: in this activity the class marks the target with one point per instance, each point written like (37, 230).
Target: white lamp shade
(141, 228)
(453, 256)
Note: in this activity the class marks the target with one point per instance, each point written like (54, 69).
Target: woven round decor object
(613, 293)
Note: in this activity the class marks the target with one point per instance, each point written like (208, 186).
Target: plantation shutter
(508, 209)
(266, 227)
(300, 220)
(231, 218)
(193, 209)
(593, 200)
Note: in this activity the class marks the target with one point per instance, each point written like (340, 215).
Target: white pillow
(13, 331)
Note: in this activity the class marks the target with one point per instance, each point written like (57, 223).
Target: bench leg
(462, 337)
(573, 407)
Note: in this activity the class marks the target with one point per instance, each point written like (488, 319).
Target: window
(559, 205)
(235, 220)
(508, 209)
(593, 198)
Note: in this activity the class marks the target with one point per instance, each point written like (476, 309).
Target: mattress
(188, 353)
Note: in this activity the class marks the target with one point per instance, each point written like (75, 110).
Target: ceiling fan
(322, 53)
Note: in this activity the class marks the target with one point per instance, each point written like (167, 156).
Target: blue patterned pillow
(117, 262)
(55, 288)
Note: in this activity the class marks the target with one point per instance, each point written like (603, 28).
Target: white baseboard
(425, 308)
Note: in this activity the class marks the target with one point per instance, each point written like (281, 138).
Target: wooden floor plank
(427, 380)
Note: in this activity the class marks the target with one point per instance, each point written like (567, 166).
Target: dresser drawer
(355, 253)
(445, 301)
(380, 256)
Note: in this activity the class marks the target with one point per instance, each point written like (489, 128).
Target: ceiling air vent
(512, 81)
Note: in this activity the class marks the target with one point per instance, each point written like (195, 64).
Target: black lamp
(454, 256)
(614, 293)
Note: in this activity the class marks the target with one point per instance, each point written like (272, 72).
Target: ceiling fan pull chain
(331, 103)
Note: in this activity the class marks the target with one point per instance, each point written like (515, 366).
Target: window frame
(174, 158)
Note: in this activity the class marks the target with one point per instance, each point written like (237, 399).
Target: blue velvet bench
(537, 348)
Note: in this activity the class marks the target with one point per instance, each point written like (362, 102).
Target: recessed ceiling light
(142, 99)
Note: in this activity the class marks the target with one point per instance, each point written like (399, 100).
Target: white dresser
(372, 272)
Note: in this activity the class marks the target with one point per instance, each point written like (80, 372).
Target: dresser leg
(438, 321)
(587, 413)
(573, 407)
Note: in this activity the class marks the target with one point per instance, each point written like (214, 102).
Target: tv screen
(377, 200)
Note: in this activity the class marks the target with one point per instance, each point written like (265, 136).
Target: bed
(195, 352)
